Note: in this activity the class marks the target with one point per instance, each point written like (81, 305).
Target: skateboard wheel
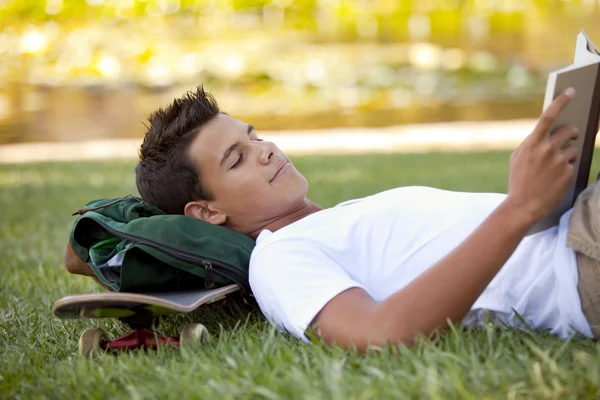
(193, 333)
(90, 342)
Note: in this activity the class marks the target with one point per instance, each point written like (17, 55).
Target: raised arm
(541, 169)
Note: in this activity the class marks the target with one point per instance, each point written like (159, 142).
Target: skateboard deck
(124, 305)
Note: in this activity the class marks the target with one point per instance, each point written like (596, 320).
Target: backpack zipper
(208, 264)
(208, 277)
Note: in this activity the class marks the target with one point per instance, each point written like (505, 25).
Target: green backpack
(133, 246)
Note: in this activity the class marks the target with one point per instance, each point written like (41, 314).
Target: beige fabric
(584, 238)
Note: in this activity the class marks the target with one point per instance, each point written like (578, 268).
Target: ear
(202, 210)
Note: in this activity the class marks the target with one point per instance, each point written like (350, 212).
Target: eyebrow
(234, 146)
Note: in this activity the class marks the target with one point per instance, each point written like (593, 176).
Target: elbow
(390, 329)
(377, 337)
(377, 344)
(355, 321)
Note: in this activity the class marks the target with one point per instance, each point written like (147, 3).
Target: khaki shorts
(584, 238)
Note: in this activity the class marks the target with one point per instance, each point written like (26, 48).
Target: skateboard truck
(139, 339)
(143, 336)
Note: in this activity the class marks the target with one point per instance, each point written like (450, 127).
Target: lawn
(246, 357)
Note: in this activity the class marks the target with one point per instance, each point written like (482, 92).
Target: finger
(571, 154)
(564, 136)
(549, 116)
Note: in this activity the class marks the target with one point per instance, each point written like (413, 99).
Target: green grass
(246, 357)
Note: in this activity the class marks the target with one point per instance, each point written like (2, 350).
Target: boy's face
(252, 181)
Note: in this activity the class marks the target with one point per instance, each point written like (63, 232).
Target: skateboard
(141, 312)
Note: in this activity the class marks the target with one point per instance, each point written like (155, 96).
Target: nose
(267, 150)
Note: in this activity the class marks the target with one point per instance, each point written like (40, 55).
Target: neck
(306, 208)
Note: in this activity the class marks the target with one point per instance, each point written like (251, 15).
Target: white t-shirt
(382, 242)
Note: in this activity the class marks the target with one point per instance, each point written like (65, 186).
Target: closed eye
(238, 161)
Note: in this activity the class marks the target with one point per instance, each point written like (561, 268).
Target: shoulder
(275, 252)
(292, 280)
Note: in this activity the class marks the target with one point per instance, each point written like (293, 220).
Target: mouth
(282, 167)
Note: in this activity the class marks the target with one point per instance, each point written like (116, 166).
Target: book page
(585, 54)
(585, 51)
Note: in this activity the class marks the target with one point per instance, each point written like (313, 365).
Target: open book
(583, 112)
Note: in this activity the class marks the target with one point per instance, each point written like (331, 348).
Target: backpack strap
(82, 211)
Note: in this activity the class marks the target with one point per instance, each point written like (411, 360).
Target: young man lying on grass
(395, 265)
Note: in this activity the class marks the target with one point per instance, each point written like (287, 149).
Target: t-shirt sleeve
(292, 282)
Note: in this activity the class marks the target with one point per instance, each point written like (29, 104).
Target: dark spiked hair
(166, 177)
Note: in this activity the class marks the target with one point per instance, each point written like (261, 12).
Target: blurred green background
(75, 69)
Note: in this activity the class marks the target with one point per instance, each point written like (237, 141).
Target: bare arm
(541, 169)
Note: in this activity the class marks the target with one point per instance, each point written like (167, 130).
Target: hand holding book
(542, 167)
(582, 112)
